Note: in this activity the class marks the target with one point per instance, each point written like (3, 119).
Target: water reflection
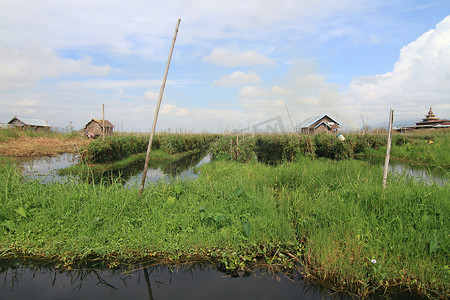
(183, 169)
(45, 170)
(422, 174)
(157, 282)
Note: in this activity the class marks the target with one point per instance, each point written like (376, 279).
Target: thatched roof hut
(95, 128)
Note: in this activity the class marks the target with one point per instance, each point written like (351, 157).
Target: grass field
(348, 232)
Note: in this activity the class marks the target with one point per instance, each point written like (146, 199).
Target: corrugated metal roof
(32, 121)
(308, 122)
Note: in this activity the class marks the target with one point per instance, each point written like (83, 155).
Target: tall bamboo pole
(103, 127)
(388, 148)
(161, 92)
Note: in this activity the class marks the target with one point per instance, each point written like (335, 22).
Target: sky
(235, 63)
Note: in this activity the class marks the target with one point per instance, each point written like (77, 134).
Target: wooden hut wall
(322, 129)
(94, 128)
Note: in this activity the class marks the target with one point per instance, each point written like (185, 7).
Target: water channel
(44, 169)
(157, 282)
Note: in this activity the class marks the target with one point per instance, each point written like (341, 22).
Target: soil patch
(40, 146)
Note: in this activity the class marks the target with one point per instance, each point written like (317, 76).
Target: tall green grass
(332, 215)
(118, 147)
(418, 148)
(433, 151)
(348, 220)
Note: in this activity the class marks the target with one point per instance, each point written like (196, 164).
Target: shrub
(119, 147)
(275, 148)
(330, 147)
(113, 148)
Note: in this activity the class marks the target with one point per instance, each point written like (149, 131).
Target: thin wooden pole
(388, 148)
(103, 127)
(161, 92)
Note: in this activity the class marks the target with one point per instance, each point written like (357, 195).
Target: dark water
(159, 282)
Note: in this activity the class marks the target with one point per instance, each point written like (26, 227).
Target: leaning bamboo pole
(388, 148)
(161, 92)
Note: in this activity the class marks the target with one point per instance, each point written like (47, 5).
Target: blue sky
(235, 63)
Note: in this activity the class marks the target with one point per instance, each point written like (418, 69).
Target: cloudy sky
(235, 63)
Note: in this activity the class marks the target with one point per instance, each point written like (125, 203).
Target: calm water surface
(45, 169)
(189, 282)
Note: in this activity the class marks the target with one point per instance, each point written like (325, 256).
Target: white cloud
(144, 27)
(228, 58)
(173, 110)
(254, 92)
(111, 84)
(150, 95)
(420, 78)
(20, 68)
(279, 90)
(264, 92)
(267, 105)
(238, 78)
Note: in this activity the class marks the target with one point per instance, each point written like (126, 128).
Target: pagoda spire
(430, 115)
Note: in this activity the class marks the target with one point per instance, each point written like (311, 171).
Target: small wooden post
(231, 149)
(388, 148)
(103, 129)
(161, 92)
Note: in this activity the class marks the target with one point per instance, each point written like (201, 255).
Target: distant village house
(315, 125)
(29, 123)
(95, 128)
